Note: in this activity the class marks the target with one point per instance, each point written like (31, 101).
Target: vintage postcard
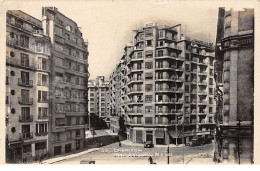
(129, 82)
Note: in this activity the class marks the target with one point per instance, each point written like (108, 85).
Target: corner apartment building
(169, 86)
(68, 82)
(98, 98)
(235, 85)
(27, 88)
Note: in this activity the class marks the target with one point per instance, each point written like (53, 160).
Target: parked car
(196, 142)
(148, 144)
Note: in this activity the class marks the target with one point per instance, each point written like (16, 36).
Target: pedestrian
(150, 160)
(119, 143)
(40, 159)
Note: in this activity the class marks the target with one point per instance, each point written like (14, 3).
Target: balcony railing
(165, 111)
(165, 100)
(202, 92)
(42, 116)
(26, 118)
(41, 133)
(135, 90)
(25, 101)
(26, 135)
(43, 100)
(28, 83)
(165, 89)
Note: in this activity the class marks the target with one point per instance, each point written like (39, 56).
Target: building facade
(98, 99)
(167, 80)
(27, 88)
(68, 82)
(235, 85)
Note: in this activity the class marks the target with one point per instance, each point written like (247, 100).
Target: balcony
(166, 101)
(27, 83)
(179, 68)
(165, 112)
(164, 78)
(134, 112)
(131, 91)
(180, 79)
(41, 134)
(203, 63)
(137, 58)
(194, 81)
(25, 101)
(43, 100)
(136, 69)
(43, 84)
(202, 92)
(179, 101)
(179, 90)
(165, 90)
(202, 83)
(26, 118)
(25, 135)
(202, 73)
(135, 102)
(180, 58)
(194, 71)
(43, 117)
(132, 80)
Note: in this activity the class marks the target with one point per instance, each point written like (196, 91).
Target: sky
(108, 25)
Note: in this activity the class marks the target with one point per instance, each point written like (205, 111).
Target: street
(137, 154)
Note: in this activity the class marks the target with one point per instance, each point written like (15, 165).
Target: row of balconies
(29, 118)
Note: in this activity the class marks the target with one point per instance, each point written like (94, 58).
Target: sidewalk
(127, 142)
(61, 158)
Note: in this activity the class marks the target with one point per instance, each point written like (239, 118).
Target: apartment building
(68, 82)
(98, 99)
(235, 86)
(168, 86)
(27, 88)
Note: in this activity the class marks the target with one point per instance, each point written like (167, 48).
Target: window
(24, 60)
(58, 47)
(160, 75)
(139, 55)
(25, 112)
(77, 81)
(211, 62)
(148, 109)
(77, 120)
(92, 94)
(211, 71)
(42, 79)
(59, 77)
(210, 109)
(42, 63)
(42, 96)
(148, 120)
(210, 81)
(25, 78)
(139, 120)
(148, 33)
(160, 64)
(160, 53)
(92, 99)
(148, 87)
(139, 66)
(211, 91)
(39, 47)
(77, 132)
(148, 76)
(187, 67)
(24, 41)
(149, 43)
(67, 36)
(187, 88)
(148, 98)
(42, 112)
(210, 100)
(149, 54)
(187, 56)
(69, 28)
(161, 33)
(149, 65)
